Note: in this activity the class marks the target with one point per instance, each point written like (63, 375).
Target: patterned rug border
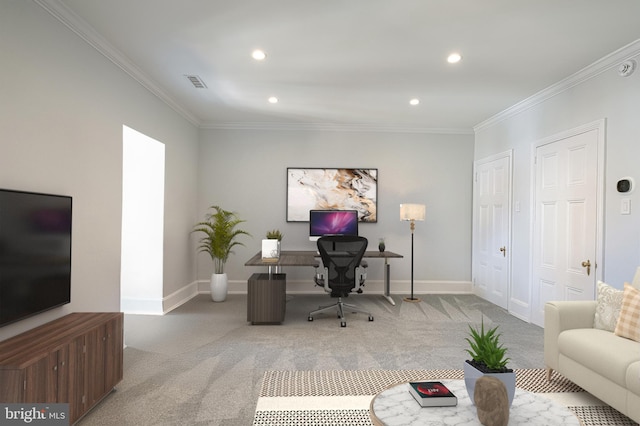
(369, 382)
(588, 415)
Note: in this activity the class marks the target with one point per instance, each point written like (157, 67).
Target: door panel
(491, 229)
(565, 225)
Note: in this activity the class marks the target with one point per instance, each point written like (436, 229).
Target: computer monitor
(332, 222)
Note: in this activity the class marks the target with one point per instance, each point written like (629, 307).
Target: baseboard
(397, 287)
(372, 286)
(180, 297)
(163, 305)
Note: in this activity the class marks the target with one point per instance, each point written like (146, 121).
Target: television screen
(332, 222)
(35, 253)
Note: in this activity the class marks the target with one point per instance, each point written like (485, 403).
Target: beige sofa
(599, 361)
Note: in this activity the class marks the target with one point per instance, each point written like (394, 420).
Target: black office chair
(344, 271)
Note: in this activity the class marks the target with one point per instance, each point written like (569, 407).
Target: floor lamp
(412, 212)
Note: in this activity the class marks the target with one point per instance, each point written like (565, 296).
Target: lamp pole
(412, 299)
(411, 213)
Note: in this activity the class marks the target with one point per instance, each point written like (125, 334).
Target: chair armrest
(321, 278)
(560, 316)
(361, 276)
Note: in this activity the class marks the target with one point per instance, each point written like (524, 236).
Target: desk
(312, 258)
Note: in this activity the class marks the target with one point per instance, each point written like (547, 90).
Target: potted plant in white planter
(488, 358)
(271, 246)
(220, 236)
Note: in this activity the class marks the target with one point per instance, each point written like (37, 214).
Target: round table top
(396, 406)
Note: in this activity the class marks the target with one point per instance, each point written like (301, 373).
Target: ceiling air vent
(196, 81)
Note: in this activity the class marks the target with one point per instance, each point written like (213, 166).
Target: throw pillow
(608, 304)
(629, 321)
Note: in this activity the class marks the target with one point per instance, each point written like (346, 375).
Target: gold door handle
(587, 264)
(503, 249)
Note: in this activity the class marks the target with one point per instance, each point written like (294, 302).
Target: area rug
(339, 397)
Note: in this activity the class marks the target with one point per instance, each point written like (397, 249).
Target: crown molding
(604, 64)
(336, 127)
(81, 28)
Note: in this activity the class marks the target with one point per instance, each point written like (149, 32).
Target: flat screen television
(35, 253)
(332, 222)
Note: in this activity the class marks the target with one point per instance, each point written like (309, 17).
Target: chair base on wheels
(340, 307)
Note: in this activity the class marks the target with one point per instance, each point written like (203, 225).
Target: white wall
(62, 107)
(245, 171)
(142, 261)
(605, 95)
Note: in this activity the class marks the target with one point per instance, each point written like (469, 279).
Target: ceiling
(350, 63)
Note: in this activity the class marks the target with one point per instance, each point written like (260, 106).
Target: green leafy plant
(486, 349)
(220, 236)
(274, 234)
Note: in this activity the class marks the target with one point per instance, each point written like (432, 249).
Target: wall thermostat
(625, 185)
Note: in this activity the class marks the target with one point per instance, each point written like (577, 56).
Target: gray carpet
(203, 364)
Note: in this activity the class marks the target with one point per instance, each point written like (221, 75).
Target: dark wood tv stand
(76, 359)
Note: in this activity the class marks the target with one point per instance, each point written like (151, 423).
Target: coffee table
(395, 406)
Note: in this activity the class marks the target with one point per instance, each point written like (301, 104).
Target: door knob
(587, 264)
(503, 249)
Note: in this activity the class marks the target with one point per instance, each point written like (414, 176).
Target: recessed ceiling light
(258, 55)
(273, 100)
(454, 58)
(414, 101)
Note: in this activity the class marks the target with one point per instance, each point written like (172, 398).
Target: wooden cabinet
(266, 298)
(77, 359)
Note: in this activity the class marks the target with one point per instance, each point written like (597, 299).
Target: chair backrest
(341, 255)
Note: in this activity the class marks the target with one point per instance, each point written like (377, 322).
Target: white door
(492, 229)
(565, 236)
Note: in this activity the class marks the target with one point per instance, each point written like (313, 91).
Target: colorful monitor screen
(332, 222)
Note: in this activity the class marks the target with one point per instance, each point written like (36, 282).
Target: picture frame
(332, 189)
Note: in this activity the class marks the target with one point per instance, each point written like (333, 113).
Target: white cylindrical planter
(219, 284)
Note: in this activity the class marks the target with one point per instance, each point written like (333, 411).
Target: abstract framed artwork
(326, 189)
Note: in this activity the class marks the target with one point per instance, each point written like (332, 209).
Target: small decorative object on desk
(432, 394)
(381, 245)
(270, 250)
(271, 246)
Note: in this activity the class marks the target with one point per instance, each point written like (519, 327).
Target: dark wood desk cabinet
(76, 359)
(266, 298)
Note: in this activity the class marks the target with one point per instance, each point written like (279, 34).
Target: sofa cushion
(629, 320)
(608, 304)
(633, 378)
(600, 351)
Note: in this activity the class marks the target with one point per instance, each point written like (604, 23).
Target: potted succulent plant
(220, 237)
(488, 357)
(274, 234)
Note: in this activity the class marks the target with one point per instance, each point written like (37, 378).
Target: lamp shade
(412, 211)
